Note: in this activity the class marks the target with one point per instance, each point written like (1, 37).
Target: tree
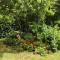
(29, 15)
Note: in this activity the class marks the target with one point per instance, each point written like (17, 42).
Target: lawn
(29, 56)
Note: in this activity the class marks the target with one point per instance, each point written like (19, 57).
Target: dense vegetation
(32, 25)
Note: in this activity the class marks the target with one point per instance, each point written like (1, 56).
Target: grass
(25, 55)
(29, 56)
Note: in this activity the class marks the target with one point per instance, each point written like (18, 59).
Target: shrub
(11, 42)
(41, 51)
(30, 48)
(5, 25)
(58, 44)
(28, 36)
(50, 37)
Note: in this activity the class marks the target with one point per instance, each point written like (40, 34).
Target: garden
(30, 27)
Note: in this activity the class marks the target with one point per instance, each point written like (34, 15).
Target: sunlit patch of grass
(1, 54)
(33, 58)
(30, 56)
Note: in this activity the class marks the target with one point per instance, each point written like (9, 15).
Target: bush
(41, 51)
(27, 36)
(58, 44)
(12, 34)
(11, 42)
(5, 25)
(30, 48)
(50, 36)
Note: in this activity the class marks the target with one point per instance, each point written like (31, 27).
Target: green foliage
(41, 51)
(11, 42)
(29, 17)
(50, 37)
(28, 36)
(58, 40)
(58, 44)
(5, 25)
(28, 47)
